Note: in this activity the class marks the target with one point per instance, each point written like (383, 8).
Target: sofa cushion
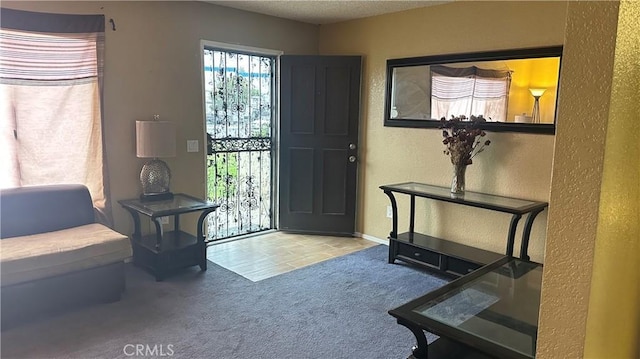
(37, 209)
(48, 254)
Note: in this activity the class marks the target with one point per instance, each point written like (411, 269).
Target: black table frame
(533, 210)
(165, 251)
(418, 324)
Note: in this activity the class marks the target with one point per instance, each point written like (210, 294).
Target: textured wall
(152, 65)
(613, 323)
(516, 165)
(585, 91)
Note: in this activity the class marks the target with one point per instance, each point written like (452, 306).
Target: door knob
(352, 158)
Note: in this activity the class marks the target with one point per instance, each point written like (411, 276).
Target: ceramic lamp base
(155, 178)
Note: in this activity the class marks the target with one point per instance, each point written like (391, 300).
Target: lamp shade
(537, 92)
(155, 139)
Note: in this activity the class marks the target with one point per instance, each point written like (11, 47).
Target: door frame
(276, 132)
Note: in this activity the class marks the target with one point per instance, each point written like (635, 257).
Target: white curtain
(50, 102)
(469, 91)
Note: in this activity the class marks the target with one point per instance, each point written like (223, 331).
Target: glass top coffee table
(492, 312)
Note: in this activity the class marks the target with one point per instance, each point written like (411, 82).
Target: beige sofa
(53, 256)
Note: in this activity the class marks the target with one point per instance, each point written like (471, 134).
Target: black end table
(164, 252)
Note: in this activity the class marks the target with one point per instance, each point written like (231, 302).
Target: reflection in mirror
(411, 92)
(515, 91)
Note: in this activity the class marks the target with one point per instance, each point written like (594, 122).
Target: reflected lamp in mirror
(495, 84)
(155, 139)
(535, 114)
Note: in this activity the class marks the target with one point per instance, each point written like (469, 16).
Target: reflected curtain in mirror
(469, 91)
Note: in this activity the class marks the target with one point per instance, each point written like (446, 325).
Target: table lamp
(537, 93)
(155, 139)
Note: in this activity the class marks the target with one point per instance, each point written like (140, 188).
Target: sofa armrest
(38, 209)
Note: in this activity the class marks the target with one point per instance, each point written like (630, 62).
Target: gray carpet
(334, 309)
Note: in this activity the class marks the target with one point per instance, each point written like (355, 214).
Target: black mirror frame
(551, 51)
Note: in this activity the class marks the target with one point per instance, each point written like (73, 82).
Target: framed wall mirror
(514, 90)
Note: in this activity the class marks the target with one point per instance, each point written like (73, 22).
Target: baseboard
(372, 238)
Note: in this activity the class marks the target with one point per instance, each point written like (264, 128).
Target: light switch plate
(192, 145)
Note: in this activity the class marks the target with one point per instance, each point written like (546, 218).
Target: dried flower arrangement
(463, 138)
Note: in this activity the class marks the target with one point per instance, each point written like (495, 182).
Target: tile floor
(267, 255)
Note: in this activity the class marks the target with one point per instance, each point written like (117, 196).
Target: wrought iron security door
(239, 95)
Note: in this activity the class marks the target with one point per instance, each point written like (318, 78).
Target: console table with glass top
(490, 313)
(449, 257)
(163, 252)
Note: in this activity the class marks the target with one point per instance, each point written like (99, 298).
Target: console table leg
(419, 351)
(393, 248)
(393, 251)
(412, 215)
(394, 219)
(512, 234)
(524, 246)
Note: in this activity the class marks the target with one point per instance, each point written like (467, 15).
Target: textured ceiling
(325, 12)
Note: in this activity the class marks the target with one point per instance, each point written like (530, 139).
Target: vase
(457, 182)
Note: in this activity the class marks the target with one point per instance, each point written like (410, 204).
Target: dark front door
(320, 111)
